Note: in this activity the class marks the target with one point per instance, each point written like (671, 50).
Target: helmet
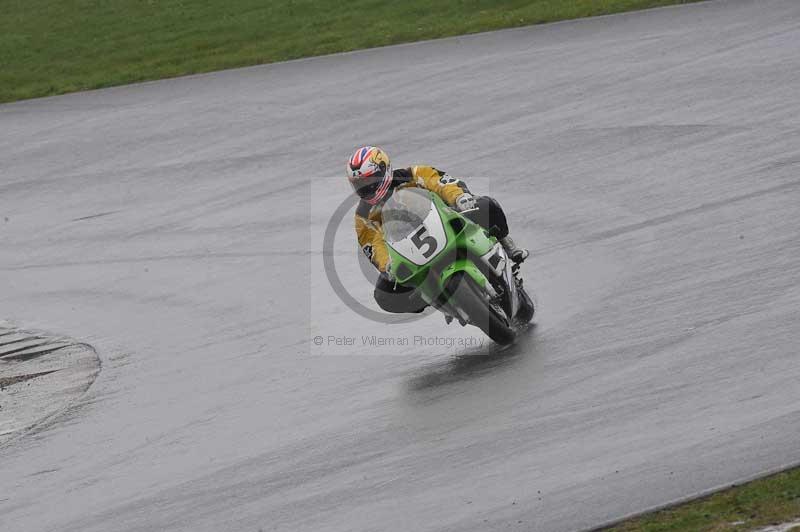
(370, 173)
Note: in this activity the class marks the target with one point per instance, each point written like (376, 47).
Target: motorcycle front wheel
(469, 297)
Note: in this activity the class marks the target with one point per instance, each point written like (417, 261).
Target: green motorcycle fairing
(437, 257)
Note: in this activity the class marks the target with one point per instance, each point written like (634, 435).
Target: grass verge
(55, 46)
(768, 501)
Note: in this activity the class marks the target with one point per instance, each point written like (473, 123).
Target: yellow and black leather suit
(368, 217)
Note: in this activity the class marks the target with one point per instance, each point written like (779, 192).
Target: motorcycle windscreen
(412, 226)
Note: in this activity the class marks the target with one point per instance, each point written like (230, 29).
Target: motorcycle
(457, 266)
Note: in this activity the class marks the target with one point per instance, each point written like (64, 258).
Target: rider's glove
(465, 202)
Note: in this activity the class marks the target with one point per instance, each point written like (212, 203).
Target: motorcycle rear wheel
(526, 307)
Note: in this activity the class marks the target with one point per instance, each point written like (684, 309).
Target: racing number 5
(420, 238)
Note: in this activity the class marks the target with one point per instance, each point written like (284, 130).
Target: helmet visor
(373, 188)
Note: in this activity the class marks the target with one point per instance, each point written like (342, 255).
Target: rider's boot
(516, 254)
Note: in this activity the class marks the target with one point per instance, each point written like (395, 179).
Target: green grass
(769, 501)
(55, 46)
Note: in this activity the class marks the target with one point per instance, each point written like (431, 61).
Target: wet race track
(650, 161)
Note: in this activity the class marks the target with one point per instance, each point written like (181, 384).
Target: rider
(370, 173)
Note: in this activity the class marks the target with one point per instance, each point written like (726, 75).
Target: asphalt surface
(651, 161)
(41, 377)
